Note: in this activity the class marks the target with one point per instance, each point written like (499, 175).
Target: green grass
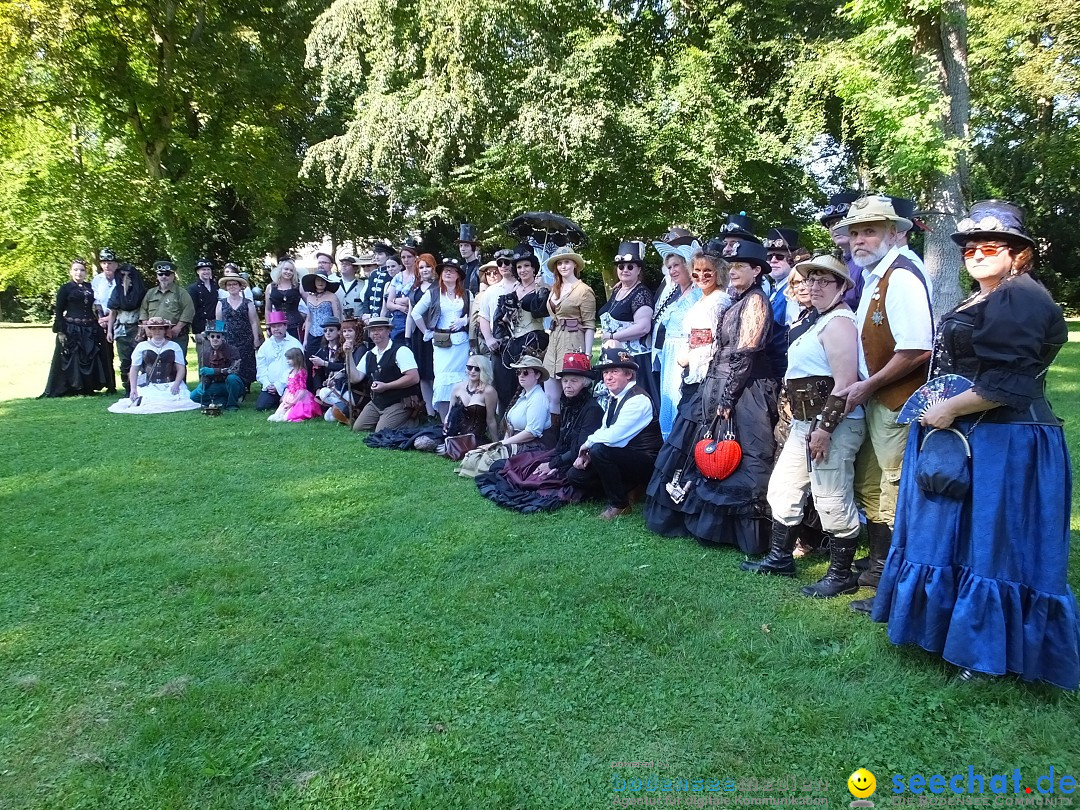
(227, 613)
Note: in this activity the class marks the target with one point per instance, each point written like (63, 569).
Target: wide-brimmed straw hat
(873, 208)
(232, 275)
(528, 361)
(377, 321)
(829, 264)
(150, 323)
(565, 252)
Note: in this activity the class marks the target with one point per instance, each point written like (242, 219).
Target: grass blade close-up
(229, 613)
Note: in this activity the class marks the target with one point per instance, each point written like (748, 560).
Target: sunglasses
(626, 266)
(525, 371)
(985, 250)
(778, 256)
(503, 262)
(698, 274)
(472, 368)
(165, 272)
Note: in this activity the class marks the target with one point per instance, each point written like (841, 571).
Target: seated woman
(526, 420)
(473, 405)
(536, 481)
(156, 378)
(981, 577)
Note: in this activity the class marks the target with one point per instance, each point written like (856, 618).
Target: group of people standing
(758, 398)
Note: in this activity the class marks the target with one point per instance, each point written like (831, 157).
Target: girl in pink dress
(297, 403)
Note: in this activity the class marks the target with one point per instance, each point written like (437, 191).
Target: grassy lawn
(228, 613)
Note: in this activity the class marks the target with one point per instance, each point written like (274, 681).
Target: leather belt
(808, 395)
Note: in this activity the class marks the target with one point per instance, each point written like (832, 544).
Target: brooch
(878, 318)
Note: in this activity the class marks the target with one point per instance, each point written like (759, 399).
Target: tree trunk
(942, 39)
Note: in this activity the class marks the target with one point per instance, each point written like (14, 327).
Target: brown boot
(341, 416)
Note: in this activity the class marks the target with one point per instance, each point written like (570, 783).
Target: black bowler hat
(615, 357)
(523, 252)
(201, 263)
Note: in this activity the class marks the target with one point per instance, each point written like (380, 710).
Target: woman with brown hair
(443, 314)
(978, 574)
(572, 306)
(414, 337)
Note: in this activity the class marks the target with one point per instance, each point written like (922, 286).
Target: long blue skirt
(982, 581)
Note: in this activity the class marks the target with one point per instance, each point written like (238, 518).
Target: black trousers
(267, 401)
(613, 472)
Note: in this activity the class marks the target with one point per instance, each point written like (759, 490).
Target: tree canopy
(236, 130)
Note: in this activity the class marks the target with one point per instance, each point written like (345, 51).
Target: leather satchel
(944, 464)
(458, 446)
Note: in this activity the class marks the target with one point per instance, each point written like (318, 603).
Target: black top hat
(467, 233)
(630, 252)
(782, 239)
(308, 281)
(739, 226)
(752, 253)
(993, 219)
(838, 206)
(615, 357)
(201, 263)
(106, 255)
(452, 264)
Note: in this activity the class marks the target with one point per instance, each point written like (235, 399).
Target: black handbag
(944, 465)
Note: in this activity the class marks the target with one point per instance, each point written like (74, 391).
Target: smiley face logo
(862, 784)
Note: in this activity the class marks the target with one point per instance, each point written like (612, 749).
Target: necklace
(471, 392)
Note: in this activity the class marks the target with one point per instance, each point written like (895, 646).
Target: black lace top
(740, 356)
(623, 310)
(1003, 343)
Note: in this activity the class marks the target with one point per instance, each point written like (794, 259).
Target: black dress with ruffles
(78, 364)
(733, 511)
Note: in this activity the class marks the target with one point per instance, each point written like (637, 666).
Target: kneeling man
(391, 367)
(619, 457)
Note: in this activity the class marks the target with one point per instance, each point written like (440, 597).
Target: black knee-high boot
(839, 578)
(779, 560)
(880, 537)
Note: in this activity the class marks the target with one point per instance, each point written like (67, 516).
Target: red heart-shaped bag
(718, 458)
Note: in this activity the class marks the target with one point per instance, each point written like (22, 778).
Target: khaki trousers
(391, 417)
(878, 467)
(831, 481)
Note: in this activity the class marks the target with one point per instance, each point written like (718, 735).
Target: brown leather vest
(879, 346)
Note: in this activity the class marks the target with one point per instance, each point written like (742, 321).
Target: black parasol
(545, 228)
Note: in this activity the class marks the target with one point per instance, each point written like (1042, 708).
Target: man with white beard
(896, 335)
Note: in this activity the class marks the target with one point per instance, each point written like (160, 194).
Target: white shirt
(271, 367)
(489, 298)
(350, 295)
(406, 361)
(530, 413)
(633, 418)
(906, 305)
(102, 288)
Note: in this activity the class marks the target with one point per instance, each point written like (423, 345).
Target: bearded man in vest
(619, 457)
(895, 337)
(391, 368)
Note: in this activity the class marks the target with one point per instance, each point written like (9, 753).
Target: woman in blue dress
(981, 579)
(673, 333)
